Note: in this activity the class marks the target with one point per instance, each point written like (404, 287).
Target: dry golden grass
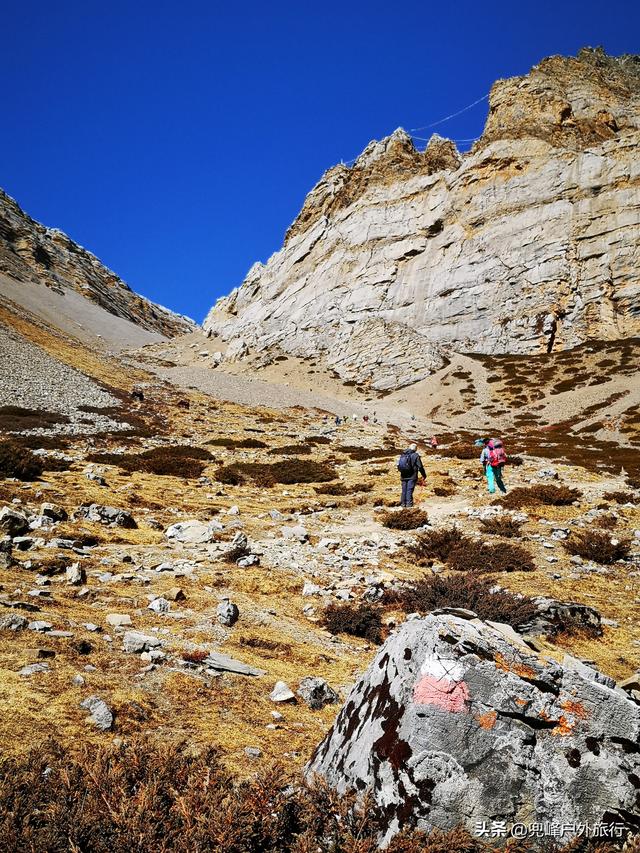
(232, 711)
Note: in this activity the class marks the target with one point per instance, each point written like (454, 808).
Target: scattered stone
(311, 589)
(118, 620)
(78, 680)
(227, 612)
(101, 714)
(193, 532)
(33, 668)
(96, 478)
(277, 717)
(12, 522)
(282, 693)
(297, 532)
(547, 474)
(107, 515)
(223, 663)
(252, 751)
(40, 626)
(12, 622)
(233, 510)
(75, 575)
(175, 594)
(53, 511)
(249, 560)
(316, 692)
(23, 543)
(60, 634)
(554, 616)
(136, 642)
(6, 558)
(159, 605)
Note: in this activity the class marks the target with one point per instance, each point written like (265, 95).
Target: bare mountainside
(32, 254)
(528, 243)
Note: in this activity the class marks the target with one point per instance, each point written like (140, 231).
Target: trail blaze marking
(441, 684)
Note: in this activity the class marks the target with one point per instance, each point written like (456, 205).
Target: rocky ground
(139, 617)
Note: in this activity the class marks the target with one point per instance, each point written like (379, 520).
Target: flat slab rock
(457, 721)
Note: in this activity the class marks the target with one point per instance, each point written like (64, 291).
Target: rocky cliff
(529, 242)
(30, 252)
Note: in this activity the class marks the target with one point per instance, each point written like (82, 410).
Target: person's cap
(413, 447)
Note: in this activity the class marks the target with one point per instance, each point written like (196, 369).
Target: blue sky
(177, 141)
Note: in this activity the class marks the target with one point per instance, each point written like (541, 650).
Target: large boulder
(108, 515)
(457, 721)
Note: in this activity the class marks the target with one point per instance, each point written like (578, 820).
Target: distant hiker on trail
(434, 442)
(409, 466)
(338, 421)
(493, 459)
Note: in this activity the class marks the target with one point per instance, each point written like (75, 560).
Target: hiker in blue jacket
(410, 466)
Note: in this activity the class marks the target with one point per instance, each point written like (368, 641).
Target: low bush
(405, 519)
(195, 656)
(16, 418)
(443, 491)
(471, 593)
(343, 489)
(516, 461)
(606, 522)
(150, 797)
(501, 525)
(16, 461)
(359, 620)
(176, 461)
(240, 443)
(361, 454)
(56, 463)
(597, 545)
(291, 450)
(539, 494)
(235, 553)
(287, 472)
(479, 558)
(620, 497)
(435, 545)
(461, 450)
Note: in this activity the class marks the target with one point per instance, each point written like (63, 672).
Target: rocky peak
(568, 101)
(31, 252)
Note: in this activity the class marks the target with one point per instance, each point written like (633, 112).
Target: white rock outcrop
(528, 242)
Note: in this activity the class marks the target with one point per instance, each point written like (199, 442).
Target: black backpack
(406, 463)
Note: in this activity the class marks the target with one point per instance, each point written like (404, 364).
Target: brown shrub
(195, 656)
(287, 472)
(461, 450)
(291, 450)
(15, 418)
(597, 545)
(177, 460)
(606, 522)
(235, 553)
(620, 497)
(361, 454)
(405, 519)
(56, 463)
(539, 494)
(343, 489)
(318, 439)
(479, 558)
(16, 461)
(516, 461)
(443, 491)
(435, 545)
(231, 443)
(359, 620)
(472, 593)
(165, 797)
(501, 525)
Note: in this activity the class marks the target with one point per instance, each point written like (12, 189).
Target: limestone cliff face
(529, 241)
(31, 252)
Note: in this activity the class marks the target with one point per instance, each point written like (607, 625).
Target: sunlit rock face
(530, 241)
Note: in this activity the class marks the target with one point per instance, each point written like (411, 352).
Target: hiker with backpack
(493, 459)
(410, 466)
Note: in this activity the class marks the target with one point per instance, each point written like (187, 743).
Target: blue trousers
(407, 491)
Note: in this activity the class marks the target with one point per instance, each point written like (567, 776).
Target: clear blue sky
(177, 140)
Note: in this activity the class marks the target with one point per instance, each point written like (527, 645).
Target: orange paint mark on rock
(520, 701)
(512, 666)
(564, 727)
(574, 708)
(487, 721)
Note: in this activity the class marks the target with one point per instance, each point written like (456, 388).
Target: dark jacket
(418, 467)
